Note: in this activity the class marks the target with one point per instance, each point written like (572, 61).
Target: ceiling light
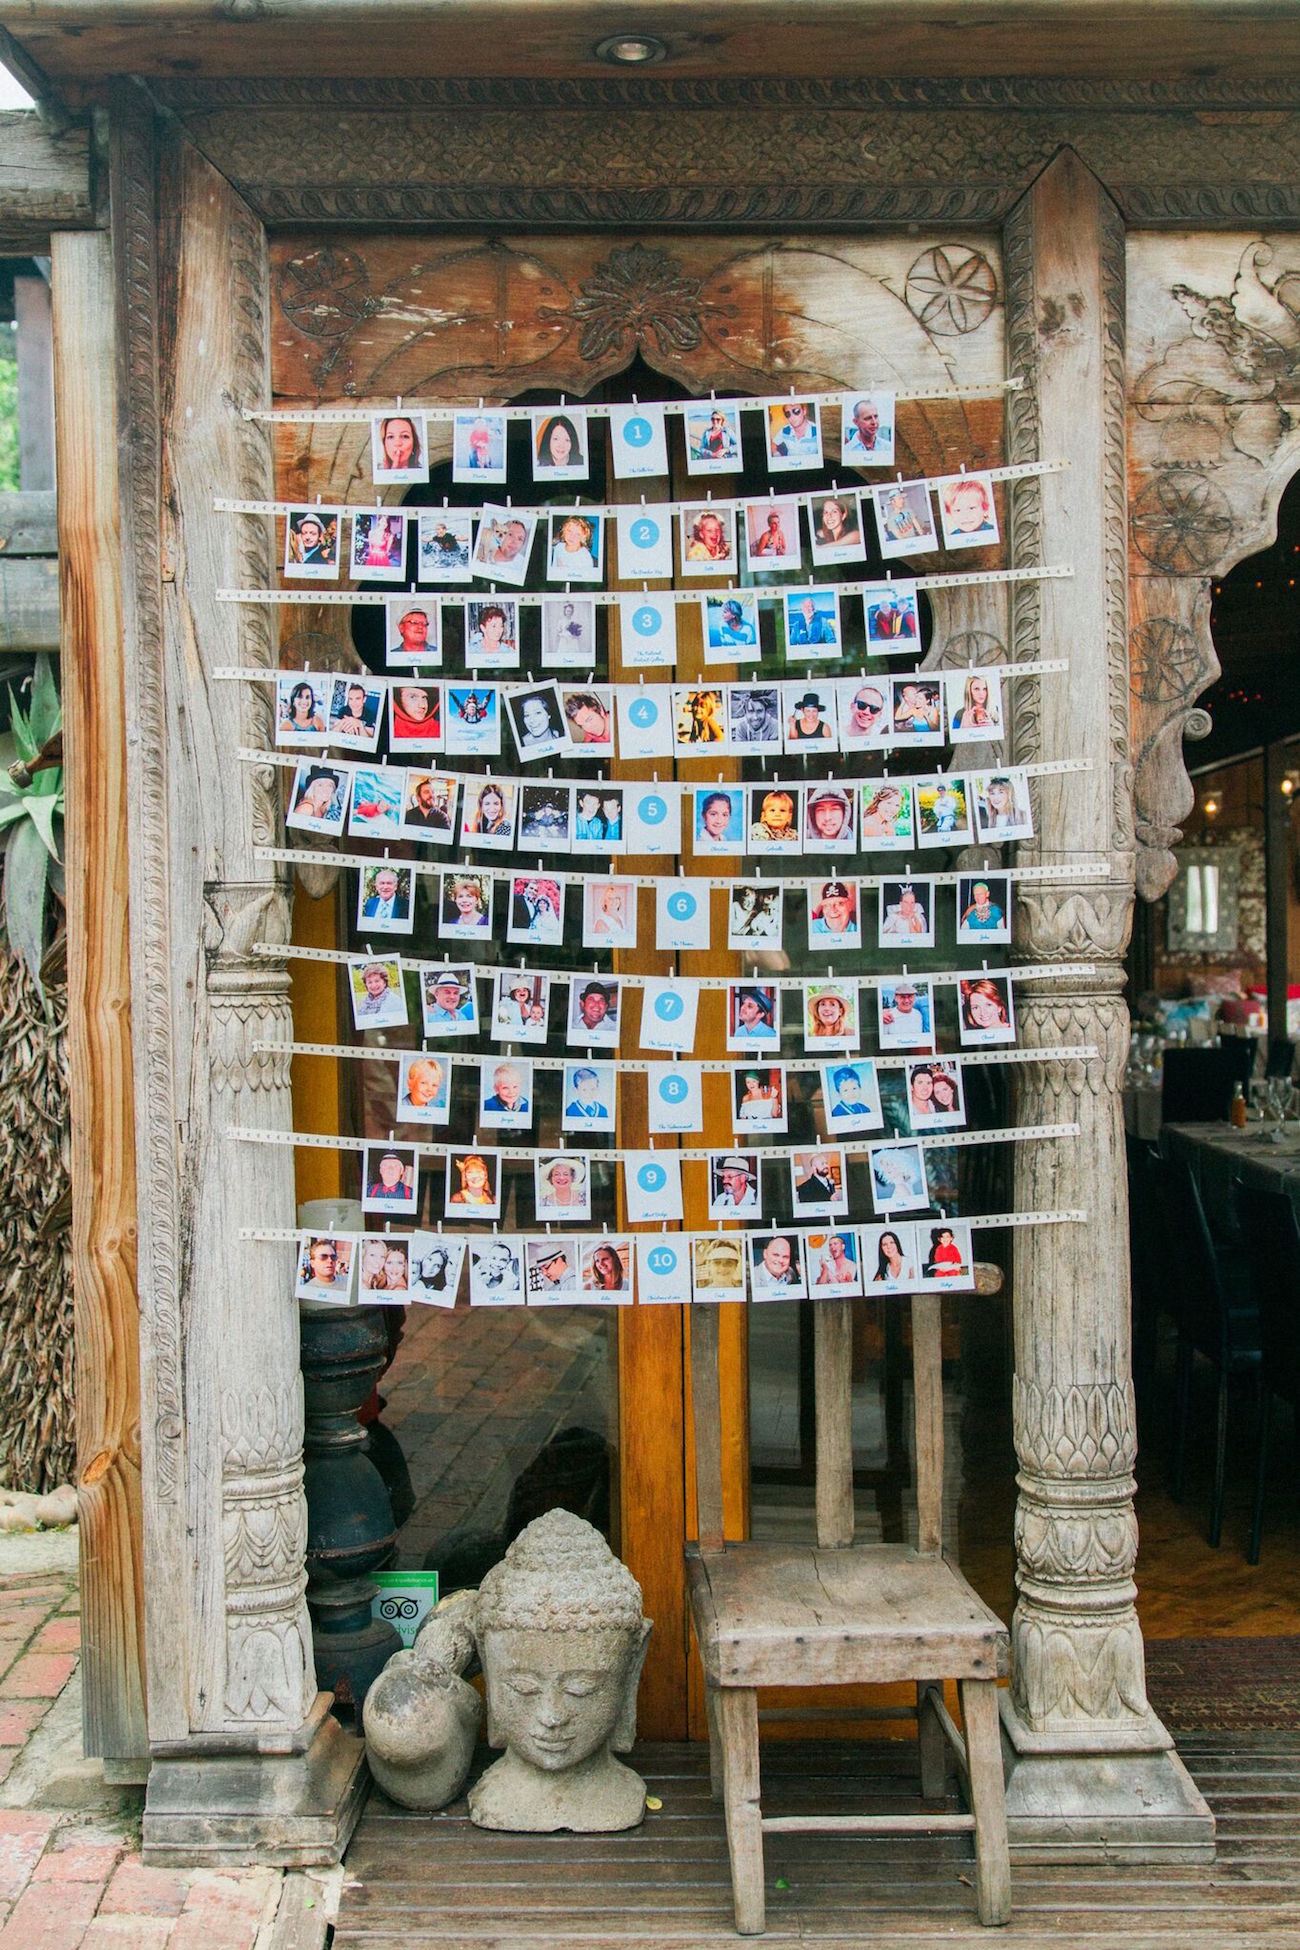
(630, 50)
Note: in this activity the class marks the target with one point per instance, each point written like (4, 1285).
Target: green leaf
(46, 712)
(23, 746)
(43, 812)
(25, 877)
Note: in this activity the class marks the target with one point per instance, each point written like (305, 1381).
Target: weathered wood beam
(29, 604)
(28, 523)
(45, 182)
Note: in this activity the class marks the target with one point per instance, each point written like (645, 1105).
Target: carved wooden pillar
(247, 1763)
(1091, 1769)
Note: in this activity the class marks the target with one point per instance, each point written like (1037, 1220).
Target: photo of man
(450, 1001)
(389, 1177)
(733, 1186)
(552, 1270)
(384, 903)
(819, 1183)
(325, 1268)
(311, 543)
(905, 1014)
(793, 435)
(429, 806)
(753, 1017)
(867, 430)
(754, 716)
(776, 1270)
(593, 1013)
(412, 636)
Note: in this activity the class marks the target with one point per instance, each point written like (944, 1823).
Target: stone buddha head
(561, 1638)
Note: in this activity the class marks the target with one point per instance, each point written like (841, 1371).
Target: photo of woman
(489, 815)
(887, 816)
(712, 439)
(986, 1013)
(491, 635)
(895, 1257)
(559, 445)
(537, 723)
(830, 1015)
(435, 1268)
(536, 910)
(609, 914)
(562, 1185)
(772, 535)
(299, 714)
(398, 450)
(934, 1096)
(318, 800)
(697, 718)
(605, 1266)
(898, 1178)
(1002, 810)
(473, 1184)
(773, 825)
(708, 541)
(465, 906)
(835, 522)
(907, 913)
(378, 547)
(974, 706)
(576, 543)
(757, 1099)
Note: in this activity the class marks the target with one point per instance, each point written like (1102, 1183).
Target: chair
(1213, 1312)
(1196, 1084)
(1272, 1236)
(845, 1615)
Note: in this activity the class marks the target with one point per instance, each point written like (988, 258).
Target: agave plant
(31, 816)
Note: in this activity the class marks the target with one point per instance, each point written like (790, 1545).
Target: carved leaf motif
(267, 1670)
(325, 293)
(1181, 522)
(1071, 1670)
(638, 295)
(951, 290)
(1082, 1430)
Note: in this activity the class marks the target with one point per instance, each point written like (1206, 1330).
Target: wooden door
(367, 318)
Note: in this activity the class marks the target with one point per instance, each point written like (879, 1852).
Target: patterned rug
(1225, 1685)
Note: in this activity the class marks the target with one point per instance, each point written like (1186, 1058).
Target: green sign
(404, 1599)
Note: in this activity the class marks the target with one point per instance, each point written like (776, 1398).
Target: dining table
(1222, 1157)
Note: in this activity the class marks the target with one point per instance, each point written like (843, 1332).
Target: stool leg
(1261, 1476)
(716, 1769)
(979, 1707)
(1220, 1460)
(933, 1747)
(1182, 1390)
(738, 1718)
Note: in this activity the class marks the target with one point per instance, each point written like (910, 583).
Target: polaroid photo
(754, 718)
(812, 624)
(311, 544)
(647, 631)
(546, 816)
(520, 1007)
(819, 1182)
(568, 633)
(867, 429)
(830, 1015)
(708, 539)
(905, 1014)
(496, 1271)
(473, 1184)
(794, 435)
(449, 1000)
(412, 632)
(399, 448)
(607, 1270)
(758, 1098)
(551, 1265)
(589, 718)
(560, 444)
(464, 905)
(588, 1095)
(536, 914)
(712, 438)
(377, 796)
(773, 818)
(491, 633)
(505, 1094)
(718, 821)
(681, 917)
(562, 1186)
(1002, 808)
(385, 1269)
(916, 710)
(318, 797)
(652, 819)
(755, 914)
(968, 511)
(429, 806)
(699, 718)
(810, 717)
(753, 1017)
(947, 1256)
(834, 1263)
(593, 1012)
(663, 1272)
(887, 822)
(829, 822)
(730, 625)
(504, 544)
(889, 1257)
(356, 712)
(385, 899)
(974, 701)
(377, 991)
(423, 1088)
(906, 913)
(488, 811)
(597, 818)
(892, 614)
(835, 524)
(718, 1269)
(984, 908)
(436, 1262)
(866, 722)
(378, 546)
(985, 1011)
(445, 544)
(943, 810)
(609, 914)
(472, 720)
(576, 547)
(652, 1187)
(935, 1100)
(675, 1094)
(478, 446)
(898, 1177)
(645, 725)
(639, 439)
(772, 539)
(669, 1007)
(776, 1266)
(735, 1187)
(302, 709)
(904, 521)
(390, 1176)
(834, 913)
(414, 717)
(324, 1267)
(645, 542)
(536, 722)
(851, 1096)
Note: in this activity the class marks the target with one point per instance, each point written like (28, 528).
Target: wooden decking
(420, 1880)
